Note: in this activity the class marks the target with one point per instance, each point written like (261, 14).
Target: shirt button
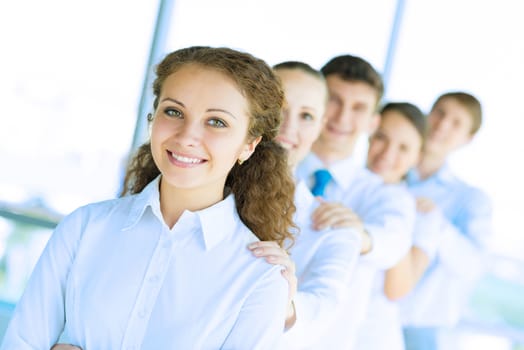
(154, 279)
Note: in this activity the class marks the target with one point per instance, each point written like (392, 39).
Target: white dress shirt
(388, 215)
(465, 228)
(325, 262)
(114, 276)
(382, 327)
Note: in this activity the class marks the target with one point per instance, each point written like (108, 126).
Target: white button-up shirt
(325, 262)
(383, 315)
(114, 276)
(388, 214)
(465, 228)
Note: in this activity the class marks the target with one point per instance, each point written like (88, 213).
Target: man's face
(450, 126)
(350, 113)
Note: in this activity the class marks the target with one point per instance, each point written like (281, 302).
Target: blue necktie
(322, 178)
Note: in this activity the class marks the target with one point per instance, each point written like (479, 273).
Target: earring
(149, 117)
(240, 161)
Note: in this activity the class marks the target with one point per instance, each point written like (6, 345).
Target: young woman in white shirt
(167, 267)
(321, 263)
(395, 148)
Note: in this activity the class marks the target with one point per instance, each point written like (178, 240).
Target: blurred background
(75, 82)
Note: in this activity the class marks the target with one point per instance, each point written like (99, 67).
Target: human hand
(335, 215)
(425, 205)
(65, 347)
(276, 255)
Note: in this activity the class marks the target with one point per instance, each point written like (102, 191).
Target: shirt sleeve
(260, 324)
(323, 287)
(463, 242)
(427, 234)
(39, 316)
(389, 222)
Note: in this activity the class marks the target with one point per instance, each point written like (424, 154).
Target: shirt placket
(153, 280)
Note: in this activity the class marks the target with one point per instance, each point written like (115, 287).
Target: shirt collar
(148, 197)
(216, 221)
(443, 175)
(344, 172)
(304, 200)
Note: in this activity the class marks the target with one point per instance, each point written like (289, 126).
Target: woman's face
(305, 103)
(199, 129)
(394, 148)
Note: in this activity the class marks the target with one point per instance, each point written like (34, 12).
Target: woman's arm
(39, 317)
(260, 323)
(403, 277)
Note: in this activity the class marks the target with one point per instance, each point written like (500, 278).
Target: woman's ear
(249, 148)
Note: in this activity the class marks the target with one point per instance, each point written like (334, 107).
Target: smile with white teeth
(185, 159)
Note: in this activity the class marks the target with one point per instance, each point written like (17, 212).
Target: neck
(174, 201)
(430, 164)
(329, 155)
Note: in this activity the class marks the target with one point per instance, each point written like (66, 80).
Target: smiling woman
(195, 201)
(69, 110)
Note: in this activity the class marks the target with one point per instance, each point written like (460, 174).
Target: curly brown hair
(263, 185)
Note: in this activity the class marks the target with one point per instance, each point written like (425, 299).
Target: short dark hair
(355, 69)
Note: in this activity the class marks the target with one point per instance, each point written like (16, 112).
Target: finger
(325, 206)
(320, 199)
(327, 212)
(354, 223)
(266, 251)
(262, 244)
(333, 216)
(279, 260)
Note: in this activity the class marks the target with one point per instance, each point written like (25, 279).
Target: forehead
(300, 84)
(204, 87)
(196, 72)
(396, 123)
(197, 79)
(455, 109)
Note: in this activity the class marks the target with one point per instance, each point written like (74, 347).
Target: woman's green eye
(217, 123)
(173, 112)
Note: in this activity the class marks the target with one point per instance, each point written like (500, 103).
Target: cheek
(373, 156)
(331, 111)
(375, 148)
(307, 134)
(407, 161)
(160, 129)
(156, 136)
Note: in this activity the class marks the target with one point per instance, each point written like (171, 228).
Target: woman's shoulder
(104, 206)
(96, 210)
